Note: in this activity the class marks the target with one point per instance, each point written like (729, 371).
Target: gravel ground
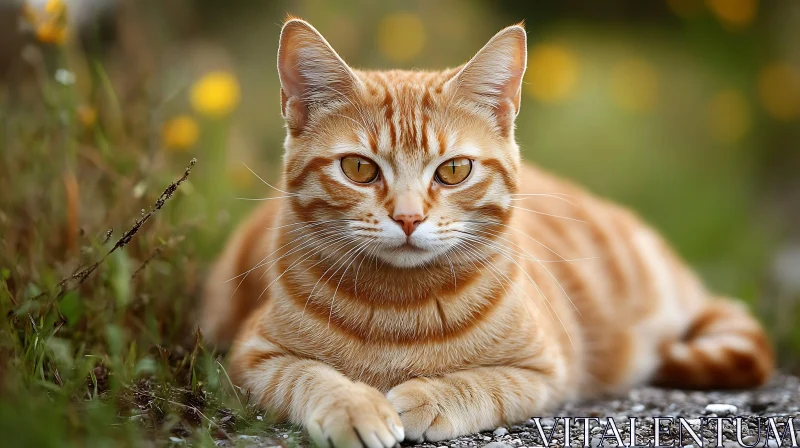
(779, 399)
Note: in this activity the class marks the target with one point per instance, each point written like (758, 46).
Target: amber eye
(359, 169)
(454, 171)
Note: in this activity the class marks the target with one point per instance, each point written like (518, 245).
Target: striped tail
(724, 348)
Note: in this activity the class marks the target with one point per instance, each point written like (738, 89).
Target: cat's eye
(359, 169)
(454, 171)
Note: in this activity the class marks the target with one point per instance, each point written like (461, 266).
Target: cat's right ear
(312, 74)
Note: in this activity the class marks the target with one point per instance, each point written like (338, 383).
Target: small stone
(500, 432)
(486, 438)
(443, 446)
(721, 409)
(259, 418)
(637, 408)
(497, 445)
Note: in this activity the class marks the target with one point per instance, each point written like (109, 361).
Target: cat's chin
(407, 256)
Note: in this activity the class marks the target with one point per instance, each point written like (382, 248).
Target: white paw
(420, 413)
(359, 417)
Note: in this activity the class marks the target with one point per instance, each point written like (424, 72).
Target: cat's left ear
(312, 75)
(493, 78)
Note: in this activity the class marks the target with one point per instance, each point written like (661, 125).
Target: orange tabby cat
(416, 281)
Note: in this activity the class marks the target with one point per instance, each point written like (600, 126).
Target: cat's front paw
(420, 411)
(357, 417)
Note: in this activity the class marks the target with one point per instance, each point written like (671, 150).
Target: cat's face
(406, 166)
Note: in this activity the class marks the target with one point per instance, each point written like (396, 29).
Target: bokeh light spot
(87, 115)
(729, 116)
(215, 95)
(401, 36)
(686, 9)
(239, 176)
(635, 85)
(552, 73)
(180, 133)
(735, 13)
(779, 91)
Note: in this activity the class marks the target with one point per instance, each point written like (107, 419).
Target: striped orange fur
(401, 307)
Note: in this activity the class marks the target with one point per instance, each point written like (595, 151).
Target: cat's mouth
(410, 247)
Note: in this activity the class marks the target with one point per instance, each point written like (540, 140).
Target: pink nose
(409, 223)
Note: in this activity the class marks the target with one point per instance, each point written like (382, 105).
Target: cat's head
(400, 164)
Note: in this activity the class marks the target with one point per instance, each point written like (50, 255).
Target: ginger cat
(415, 280)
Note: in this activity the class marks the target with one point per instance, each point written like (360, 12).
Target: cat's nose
(408, 211)
(409, 223)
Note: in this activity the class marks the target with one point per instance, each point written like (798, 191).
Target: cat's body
(486, 302)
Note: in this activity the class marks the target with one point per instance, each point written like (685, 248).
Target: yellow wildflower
(51, 33)
(49, 23)
(55, 7)
(635, 85)
(216, 94)
(729, 116)
(552, 74)
(180, 133)
(401, 36)
(735, 13)
(779, 91)
(87, 115)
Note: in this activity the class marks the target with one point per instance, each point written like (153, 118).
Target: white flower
(65, 77)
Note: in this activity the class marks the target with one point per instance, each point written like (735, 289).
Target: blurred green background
(686, 110)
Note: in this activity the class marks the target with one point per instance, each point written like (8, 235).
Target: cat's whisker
(301, 223)
(359, 110)
(548, 214)
(360, 125)
(525, 196)
(268, 184)
(259, 264)
(306, 256)
(331, 239)
(535, 285)
(335, 263)
(324, 234)
(361, 249)
(566, 294)
(368, 254)
(545, 246)
(492, 269)
(263, 262)
(452, 270)
(322, 238)
(316, 223)
(265, 199)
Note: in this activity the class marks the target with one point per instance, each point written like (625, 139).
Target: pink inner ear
(493, 77)
(293, 38)
(310, 72)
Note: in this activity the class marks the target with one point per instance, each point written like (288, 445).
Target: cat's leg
(472, 400)
(336, 411)
(725, 347)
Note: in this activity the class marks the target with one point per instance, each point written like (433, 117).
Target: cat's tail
(724, 348)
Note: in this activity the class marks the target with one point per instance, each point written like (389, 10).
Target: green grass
(104, 239)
